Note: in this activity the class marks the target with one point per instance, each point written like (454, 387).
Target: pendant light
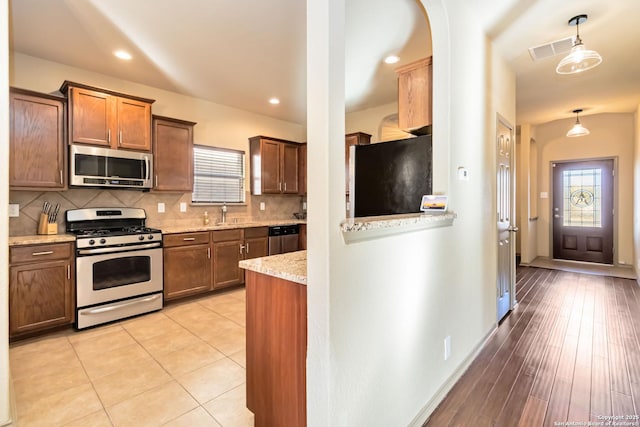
(578, 129)
(580, 59)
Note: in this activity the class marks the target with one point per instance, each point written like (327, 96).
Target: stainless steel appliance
(104, 167)
(118, 264)
(283, 239)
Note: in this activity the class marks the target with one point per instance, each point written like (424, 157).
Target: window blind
(218, 175)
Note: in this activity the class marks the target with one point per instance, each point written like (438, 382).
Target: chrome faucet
(224, 213)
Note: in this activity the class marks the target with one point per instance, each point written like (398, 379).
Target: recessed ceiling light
(122, 54)
(274, 101)
(391, 59)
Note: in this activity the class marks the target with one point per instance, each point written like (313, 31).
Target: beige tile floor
(182, 366)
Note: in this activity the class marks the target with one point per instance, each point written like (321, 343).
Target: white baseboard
(13, 413)
(432, 404)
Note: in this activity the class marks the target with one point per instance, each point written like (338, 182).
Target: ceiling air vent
(551, 49)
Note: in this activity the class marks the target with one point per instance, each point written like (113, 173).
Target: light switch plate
(463, 174)
(544, 195)
(160, 207)
(262, 206)
(183, 206)
(14, 210)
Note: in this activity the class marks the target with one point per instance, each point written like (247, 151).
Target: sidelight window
(218, 175)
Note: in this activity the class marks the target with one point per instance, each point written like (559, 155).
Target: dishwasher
(283, 238)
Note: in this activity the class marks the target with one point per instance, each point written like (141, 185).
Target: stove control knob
(103, 241)
(150, 237)
(140, 237)
(92, 242)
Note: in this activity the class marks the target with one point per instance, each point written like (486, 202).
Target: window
(218, 175)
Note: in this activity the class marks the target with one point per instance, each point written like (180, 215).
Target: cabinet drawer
(250, 233)
(184, 239)
(18, 254)
(226, 235)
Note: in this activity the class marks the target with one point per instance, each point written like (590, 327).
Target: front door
(583, 211)
(506, 217)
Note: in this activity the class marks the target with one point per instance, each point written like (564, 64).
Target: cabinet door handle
(209, 253)
(61, 176)
(241, 248)
(41, 253)
(156, 180)
(109, 136)
(246, 245)
(285, 187)
(120, 139)
(68, 271)
(189, 239)
(280, 186)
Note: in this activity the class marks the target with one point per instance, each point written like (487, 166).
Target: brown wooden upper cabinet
(172, 154)
(357, 138)
(106, 118)
(274, 166)
(415, 83)
(302, 170)
(36, 143)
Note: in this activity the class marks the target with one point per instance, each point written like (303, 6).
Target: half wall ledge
(375, 227)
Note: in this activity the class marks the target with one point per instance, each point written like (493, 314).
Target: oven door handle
(123, 305)
(94, 251)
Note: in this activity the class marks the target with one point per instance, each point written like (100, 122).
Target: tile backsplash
(31, 202)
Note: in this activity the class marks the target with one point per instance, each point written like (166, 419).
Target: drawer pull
(41, 253)
(189, 239)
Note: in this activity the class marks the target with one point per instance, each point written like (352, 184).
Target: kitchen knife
(54, 215)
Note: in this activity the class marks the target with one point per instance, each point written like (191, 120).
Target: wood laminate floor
(569, 354)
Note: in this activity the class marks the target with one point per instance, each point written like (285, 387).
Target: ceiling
(243, 53)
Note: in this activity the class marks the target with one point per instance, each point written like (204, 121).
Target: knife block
(46, 227)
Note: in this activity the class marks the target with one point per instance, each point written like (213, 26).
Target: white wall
(380, 309)
(218, 125)
(527, 194)
(368, 121)
(612, 135)
(5, 414)
(636, 191)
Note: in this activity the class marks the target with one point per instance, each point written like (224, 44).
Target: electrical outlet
(447, 347)
(262, 206)
(183, 206)
(304, 206)
(14, 210)
(160, 207)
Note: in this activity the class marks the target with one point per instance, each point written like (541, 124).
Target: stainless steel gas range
(118, 264)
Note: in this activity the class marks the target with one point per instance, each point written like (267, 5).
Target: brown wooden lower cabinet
(227, 253)
(276, 350)
(41, 287)
(232, 246)
(202, 261)
(187, 264)
(303, 237)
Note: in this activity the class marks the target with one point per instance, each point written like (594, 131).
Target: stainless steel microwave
(104, 167)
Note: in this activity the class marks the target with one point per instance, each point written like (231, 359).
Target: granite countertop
(166, 229)
(41, 239)
(366, 228)
(291, 266)
(171, 229)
